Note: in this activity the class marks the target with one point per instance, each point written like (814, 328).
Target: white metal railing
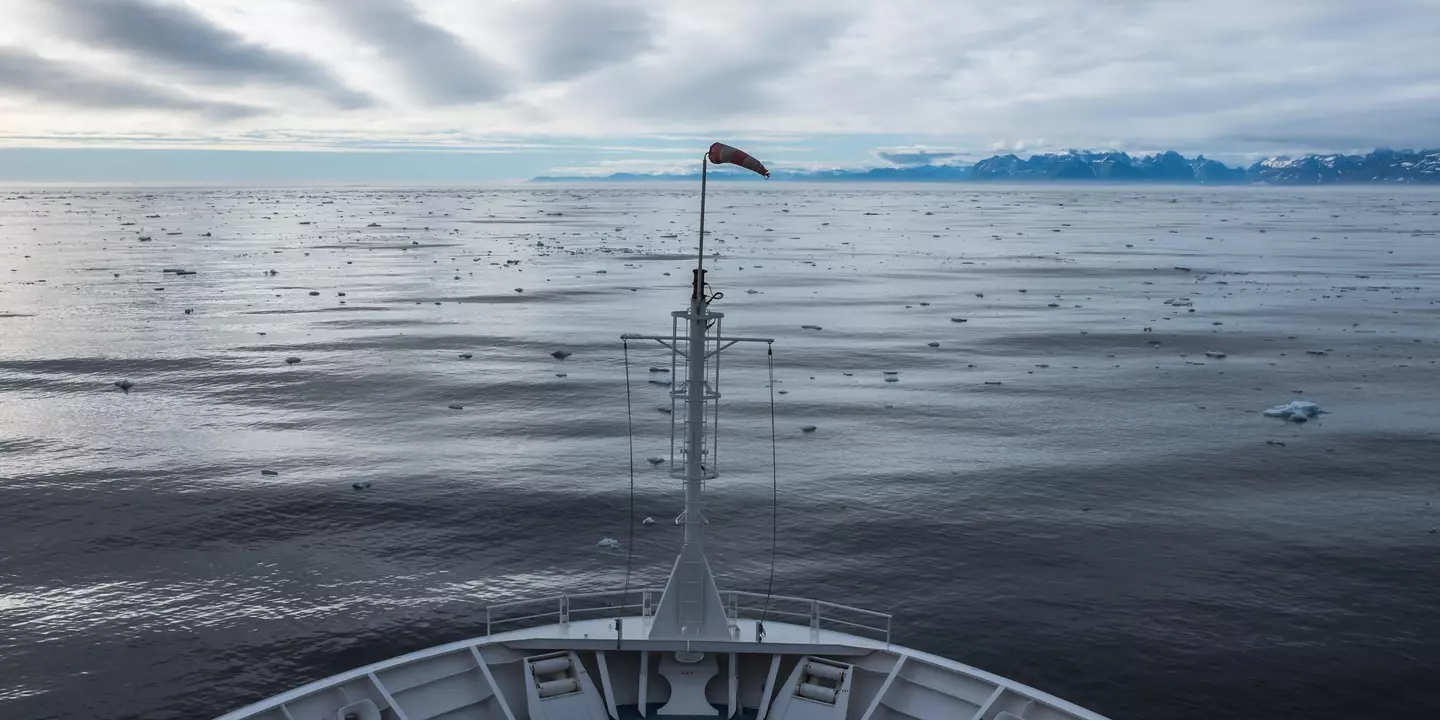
(560, 609)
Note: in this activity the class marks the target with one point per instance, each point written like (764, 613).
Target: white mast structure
(690, 607)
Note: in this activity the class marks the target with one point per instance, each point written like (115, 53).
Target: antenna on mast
(690, 607)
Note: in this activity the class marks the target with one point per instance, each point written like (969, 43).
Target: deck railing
(561, 609)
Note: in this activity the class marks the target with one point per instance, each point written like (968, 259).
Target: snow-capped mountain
(1381, 166)
(1106, 165)
(1387, 166)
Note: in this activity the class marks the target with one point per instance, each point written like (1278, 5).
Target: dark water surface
(1111, 523)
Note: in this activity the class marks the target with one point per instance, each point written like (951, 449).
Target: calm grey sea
(1067, 490)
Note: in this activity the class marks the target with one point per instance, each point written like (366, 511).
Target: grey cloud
(573, 37)
(737, 80)
(434, 61)
(51, 81)
(914, 157)
(177, 37)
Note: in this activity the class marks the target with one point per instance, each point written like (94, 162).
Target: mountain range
(1380, 166)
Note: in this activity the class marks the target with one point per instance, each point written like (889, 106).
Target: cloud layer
(1217, 76)
(177, 38)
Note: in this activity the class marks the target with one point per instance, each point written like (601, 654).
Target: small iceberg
(1296, 411)
(648, 521)
(608, 543)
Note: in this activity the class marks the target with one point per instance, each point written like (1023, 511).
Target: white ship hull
(794, 672)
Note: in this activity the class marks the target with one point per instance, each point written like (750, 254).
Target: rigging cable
(774, 483)
(630, 538)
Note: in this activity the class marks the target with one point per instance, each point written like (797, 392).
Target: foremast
(690, 607)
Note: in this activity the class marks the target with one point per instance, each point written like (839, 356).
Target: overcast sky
(148, 89)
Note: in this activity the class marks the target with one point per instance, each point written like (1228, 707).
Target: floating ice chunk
(1296, 411)
(648, 521)
(608, 543)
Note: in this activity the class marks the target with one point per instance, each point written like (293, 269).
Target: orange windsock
(722, 153)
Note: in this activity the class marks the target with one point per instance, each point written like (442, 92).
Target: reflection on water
(1064, 489)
